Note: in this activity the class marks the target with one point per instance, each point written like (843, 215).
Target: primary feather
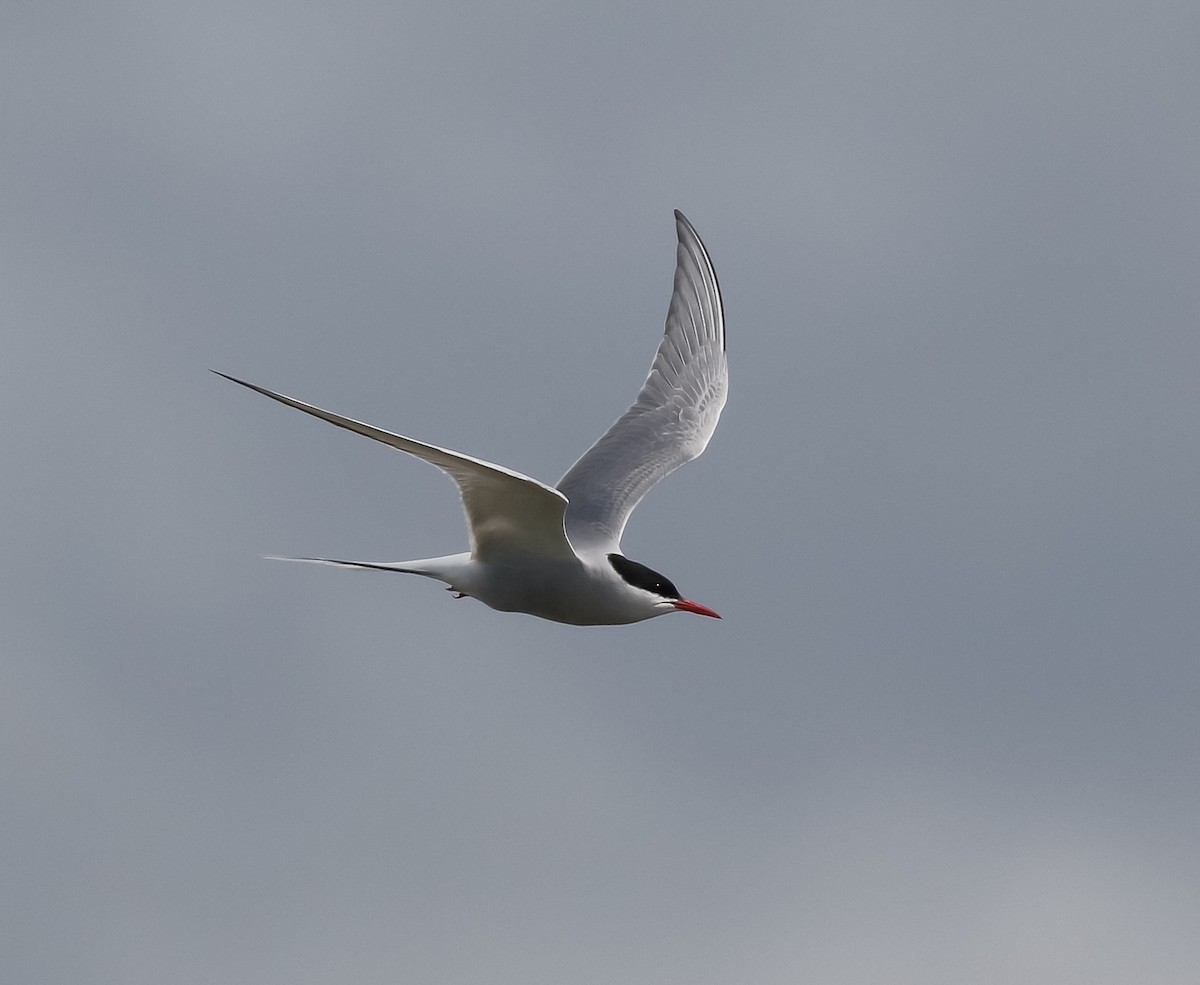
(674, 416)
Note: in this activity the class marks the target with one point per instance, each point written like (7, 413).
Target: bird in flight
(555, 552)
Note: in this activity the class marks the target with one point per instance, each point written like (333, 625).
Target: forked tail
(377, 565)
(445, 569)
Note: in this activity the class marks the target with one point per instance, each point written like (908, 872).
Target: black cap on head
(642, 577)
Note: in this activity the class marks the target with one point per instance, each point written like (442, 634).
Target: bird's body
(555, 552)
(581, 590)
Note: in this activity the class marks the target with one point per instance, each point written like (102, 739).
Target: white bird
(556, 552)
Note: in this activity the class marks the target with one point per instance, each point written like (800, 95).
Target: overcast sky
(948, 729)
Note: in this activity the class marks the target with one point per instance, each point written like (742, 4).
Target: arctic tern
(556, 552)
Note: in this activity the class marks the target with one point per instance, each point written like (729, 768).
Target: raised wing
(507, 513)
(673, 417)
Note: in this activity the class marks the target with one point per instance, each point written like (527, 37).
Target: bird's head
(662, 593)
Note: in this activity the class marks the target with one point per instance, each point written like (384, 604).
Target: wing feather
(674, 415)
(507, 513)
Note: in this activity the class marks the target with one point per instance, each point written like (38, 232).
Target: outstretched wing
(507, 513)
(673, 417)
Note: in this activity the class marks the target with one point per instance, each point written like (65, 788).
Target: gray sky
(947, 731)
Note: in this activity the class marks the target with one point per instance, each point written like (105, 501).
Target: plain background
(947, 730)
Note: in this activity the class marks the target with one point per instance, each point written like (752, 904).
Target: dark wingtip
(248, 386)
(683, 221)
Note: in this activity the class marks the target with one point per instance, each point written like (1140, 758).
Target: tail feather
(377, 565)
(449, 569)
